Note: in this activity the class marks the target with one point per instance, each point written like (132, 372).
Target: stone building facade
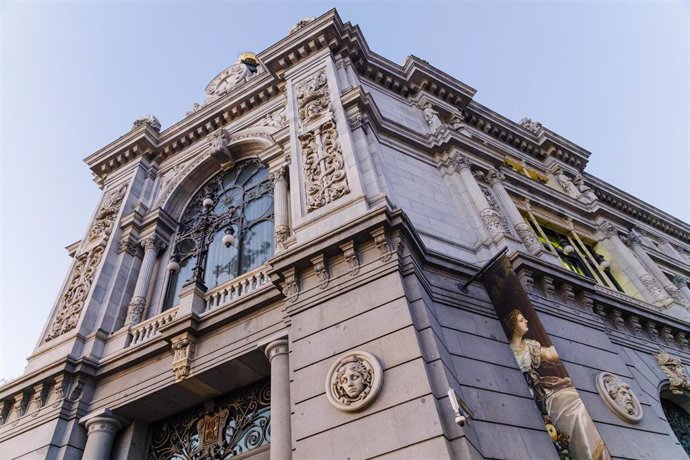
(285, 273)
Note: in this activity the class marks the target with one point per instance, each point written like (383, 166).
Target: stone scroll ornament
(674, 370)
(574, 434)
(87, 260)
(619, 397)
(354, 381)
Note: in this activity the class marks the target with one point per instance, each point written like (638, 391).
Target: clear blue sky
(612, 77)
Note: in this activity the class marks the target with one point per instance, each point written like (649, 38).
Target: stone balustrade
(145, 330)
(237, 288)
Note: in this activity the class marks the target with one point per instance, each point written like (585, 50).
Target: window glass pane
(259, 208)
(221, 262)
(248, 170)
(178, 280)
(260, 176)
(257, 245)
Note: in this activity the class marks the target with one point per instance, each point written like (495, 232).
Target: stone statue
(432, 118)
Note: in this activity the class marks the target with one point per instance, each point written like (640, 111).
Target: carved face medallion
(354, 381)
(619, 397)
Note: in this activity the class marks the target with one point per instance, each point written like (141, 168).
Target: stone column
(280, 206)
(495, 180)
(152, 246)
(627, 263)
(281, 431)
(489, 217)
(101, 431)
(634, 240)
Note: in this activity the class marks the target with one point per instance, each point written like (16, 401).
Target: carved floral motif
(354, 381)
(653, 286)
(619, 397)
(492, 221)
(528, 237)
(323, 165)
(103, 221)
(674, 370)
(72, 301)
(313, 99)
(183, 348)
(277, 119)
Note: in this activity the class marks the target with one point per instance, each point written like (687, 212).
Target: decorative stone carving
(586, 300)
(634, 238)
(491, 199)
(148, 120)
(619, 397)
(460, 162)
(350, 255)
(39, 398)
(5, 407)
(667, 336)
(566, 292)
(634, 322)
(457, 121)
(324, 169)
(321, 270)
(530, 125)
(653, 286)
(183, 347)
(680, 281)
(526, 278)
(586, 192)
(608, 230)
(106, 214)
(77, 389)
(358, 121)
(381, 242)
(493, 222)
(155, 243)
(129, 246)
(291, 288)
(218, 147)
(566, 183)
(432, 118)
(172, 178)
(135, 310)
(528, 237)
(72, 301)
(277, 119)
(59, 390)
(618, 321)
(650, 328)
(494, 175)
(313, 99)
(674, 370)
(354, 381)
(301, 24)
(682, 339)
(547, 286)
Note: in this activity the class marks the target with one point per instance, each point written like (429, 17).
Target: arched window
(675, 409)
(226, 230)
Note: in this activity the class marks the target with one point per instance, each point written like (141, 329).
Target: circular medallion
(619, 397)
(354, 381)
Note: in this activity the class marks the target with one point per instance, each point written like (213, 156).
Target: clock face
(227, 80)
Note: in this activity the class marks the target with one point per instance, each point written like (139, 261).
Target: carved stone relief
(321, 270)
(277, 119)
(291, 287)
(530, 125)
(183, 348)
(354, 381)
(72, 301)
(528, 237)
(350, 255)
(492, 221)
(432, 119)
(149, 120)
(653, 286)
(323, 165)
(488, 194)
(619, 397)
(313, 99)
(171, 179)
(674, 370)
(106, 214)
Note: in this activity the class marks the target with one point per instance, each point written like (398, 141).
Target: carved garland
(323, 165)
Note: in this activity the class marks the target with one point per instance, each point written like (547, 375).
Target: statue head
(353, 379)
(621, 394)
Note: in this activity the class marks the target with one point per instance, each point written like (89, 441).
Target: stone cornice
(624, 206)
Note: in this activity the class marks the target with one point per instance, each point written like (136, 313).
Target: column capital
(460, 162)
(275, 348)
(680, 281)
(103, 420)
(154, 243)
(634, 238)
(494, 176)
(278, 174)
